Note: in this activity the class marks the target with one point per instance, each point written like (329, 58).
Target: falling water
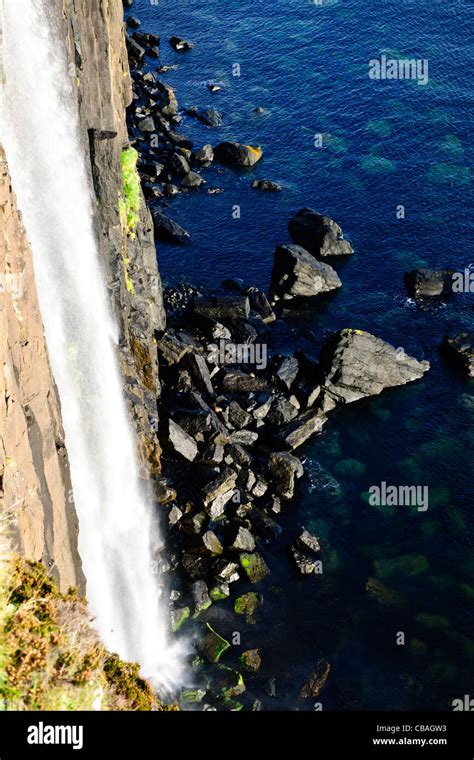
(118, 538)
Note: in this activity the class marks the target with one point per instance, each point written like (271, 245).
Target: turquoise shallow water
(385, 143)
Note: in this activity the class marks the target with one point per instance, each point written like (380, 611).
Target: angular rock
(201, 598)
(236, 154)
(297, 274)
(254, 566)
(306, 565)
(199, 371)
(204, 155)
(223, 307)
(240, 382)
(288, 370)
(178, 616)
(212, 454)
(303, 427)
(244, 541)
(179, 165)
(173, 346)
(192, 180)
(318, 234)
(356, 364)
(216, 494)
(260, 304)
(226, 571)
(181, 442)
(282, 412)
(168, 230)
(285, 469)
(211, 117)
(307, 542)
(212, 543)
(316, 680)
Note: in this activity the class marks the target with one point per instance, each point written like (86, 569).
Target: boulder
(211, 117)
(201, 598)
(225, 571)
(236, 154)
(181, 442)
(212, 646)
(302, 428)
(307, 542)
(306, 565)
(179, 44)
(192, 180)
(246, 604)
(460, 347)
(427, 283)
(240, 382)
(223, 307)
(316, 680)
(168, 230)
(260, 305)
(287, 371)
(318, 234)
(179, 165)
(218, 492)
(356, 364)
(255, 567)
(212, 543)
(266, 184)
(285, 469)
(296, 273)
(244, 541)
(251, 660)
(204, 155)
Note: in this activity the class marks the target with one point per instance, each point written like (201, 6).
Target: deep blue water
(385, 143)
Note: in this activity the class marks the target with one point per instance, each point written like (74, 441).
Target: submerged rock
(211, 117)
(461, 348)
(296, 273)
(266, 184)
(316, 680)
(356, 364)
(236, 154)
(318, 234)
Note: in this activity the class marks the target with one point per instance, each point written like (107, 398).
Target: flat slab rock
(357, 364)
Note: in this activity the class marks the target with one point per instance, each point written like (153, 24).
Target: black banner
(125, 735)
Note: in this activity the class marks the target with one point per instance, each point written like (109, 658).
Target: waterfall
(118, 537)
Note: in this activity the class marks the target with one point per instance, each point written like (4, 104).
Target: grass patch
(50, 656)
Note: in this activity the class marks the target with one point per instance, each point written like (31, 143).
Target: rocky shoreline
(233, 410)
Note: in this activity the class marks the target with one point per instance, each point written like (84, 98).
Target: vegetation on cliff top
(50, 656)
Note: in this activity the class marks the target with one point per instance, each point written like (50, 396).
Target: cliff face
(94, 30)
(34, 474)
(34, 470)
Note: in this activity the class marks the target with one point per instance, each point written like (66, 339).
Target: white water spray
(118, 538)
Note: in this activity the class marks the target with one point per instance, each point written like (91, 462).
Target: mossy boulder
(178, 617)
(212, 646)
(254, 566)
(251, 660)
(247, 604)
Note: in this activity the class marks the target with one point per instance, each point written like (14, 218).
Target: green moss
(213, 645)
(130, 206)
(247, 604)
